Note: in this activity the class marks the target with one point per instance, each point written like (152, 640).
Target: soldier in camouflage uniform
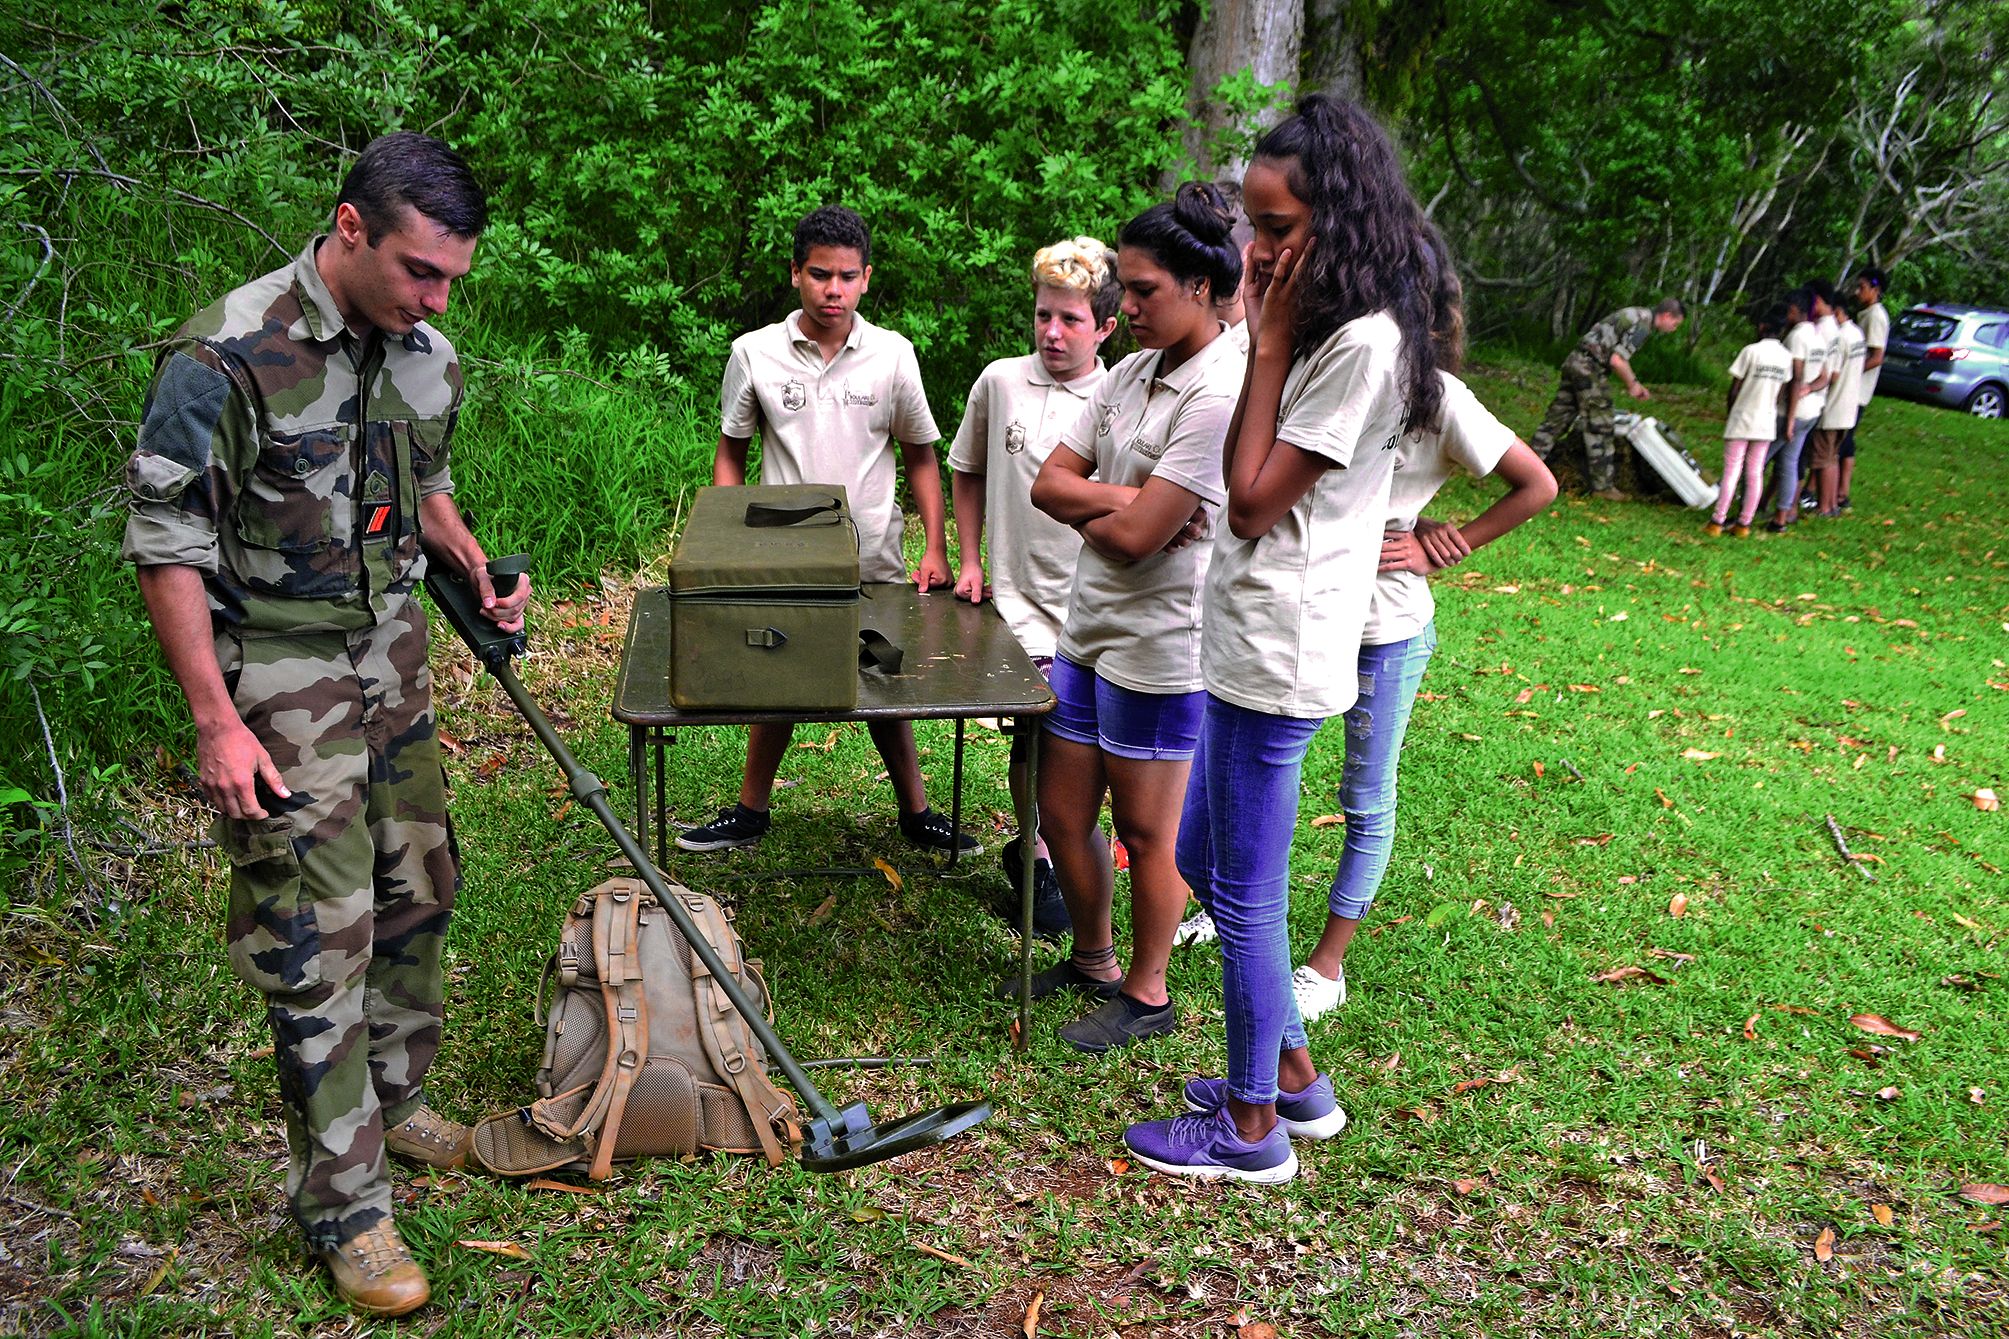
(1585, 396)
(290, 480)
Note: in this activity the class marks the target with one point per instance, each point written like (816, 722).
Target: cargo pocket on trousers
(274, 938)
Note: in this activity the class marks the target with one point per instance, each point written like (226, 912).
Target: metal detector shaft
(588, 790)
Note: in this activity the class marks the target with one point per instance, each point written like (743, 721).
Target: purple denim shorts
(1088, 709)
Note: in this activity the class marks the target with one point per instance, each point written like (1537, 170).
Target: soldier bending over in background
(1608, 347)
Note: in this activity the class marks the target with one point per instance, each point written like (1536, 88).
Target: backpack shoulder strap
(730, 1043)
(617, 956)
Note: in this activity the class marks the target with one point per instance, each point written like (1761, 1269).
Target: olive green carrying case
(764, 601)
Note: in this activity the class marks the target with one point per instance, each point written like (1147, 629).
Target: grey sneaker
(737, 826)
(1117, 1023)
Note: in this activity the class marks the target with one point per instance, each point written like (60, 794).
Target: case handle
(876, 653)
(823, 510)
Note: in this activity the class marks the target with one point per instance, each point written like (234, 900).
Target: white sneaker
(1197, 928)
(1316, 996)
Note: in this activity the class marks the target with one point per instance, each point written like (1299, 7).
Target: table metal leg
(663, 737)
(1028, 839)
(956, 801)
(638, 781)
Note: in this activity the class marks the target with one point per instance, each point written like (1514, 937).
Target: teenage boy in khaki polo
(832, 397)
(1875, 323)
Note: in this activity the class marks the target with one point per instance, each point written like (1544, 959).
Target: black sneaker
(930, 831)
(1050, 920)
(1118, 1023)
(737, 826)
(1843, 505)
(1063, 975)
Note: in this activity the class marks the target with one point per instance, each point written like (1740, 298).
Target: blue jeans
(1786, 474)
(1234, 851)
(1389, 677)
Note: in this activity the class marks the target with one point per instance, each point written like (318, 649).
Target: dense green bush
(646, 164)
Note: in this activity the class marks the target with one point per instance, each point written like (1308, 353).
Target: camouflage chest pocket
(273, 934)
(296, 514)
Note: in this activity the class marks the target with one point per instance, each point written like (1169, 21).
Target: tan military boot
(429, 1139)
(376, 1275)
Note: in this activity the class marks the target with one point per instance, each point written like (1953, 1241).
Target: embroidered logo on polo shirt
(1108, 416)
(859, 397)
(794, 395)
(1144, 447)
(1014, 437)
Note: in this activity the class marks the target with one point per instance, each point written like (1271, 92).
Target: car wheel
(1989, 401)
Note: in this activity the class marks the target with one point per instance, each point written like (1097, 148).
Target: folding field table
(959, 661)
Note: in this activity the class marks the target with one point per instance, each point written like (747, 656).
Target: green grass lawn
(1624, 718)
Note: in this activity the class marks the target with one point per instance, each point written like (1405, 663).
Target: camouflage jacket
(1620, 333)
(284, 457)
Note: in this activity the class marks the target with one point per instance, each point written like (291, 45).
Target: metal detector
(833, 1138)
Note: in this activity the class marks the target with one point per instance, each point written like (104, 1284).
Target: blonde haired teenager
(1016, 413)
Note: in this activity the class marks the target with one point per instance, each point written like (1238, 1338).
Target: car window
(1923, 327)
(1992, 335)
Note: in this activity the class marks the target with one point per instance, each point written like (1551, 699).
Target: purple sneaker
(1311, 1114)
(1205, 1144)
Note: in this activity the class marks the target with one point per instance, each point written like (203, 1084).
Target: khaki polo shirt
(1806, 343)
(1284, 610)
(1844, 394)
(1469, 440)
(1137, 625)
(1015, 415)
(1875, 322)
(835, 423)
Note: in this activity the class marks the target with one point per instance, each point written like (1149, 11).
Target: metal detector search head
(849, 1139)
(832, 1139)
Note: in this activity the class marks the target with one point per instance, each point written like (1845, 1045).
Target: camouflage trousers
(1585, 398)
(339, 900)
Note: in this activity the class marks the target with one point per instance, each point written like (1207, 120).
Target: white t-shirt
(1016, 413)
(1285, 610)
(1138, 624)
(1843, 404)
(1470, 439)
(1763, 367)
(835, 423)
(1875, 322)
(1804, 342)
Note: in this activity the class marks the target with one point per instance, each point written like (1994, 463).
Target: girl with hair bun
(1343, 310)
(1015, 414)
(1138, 475)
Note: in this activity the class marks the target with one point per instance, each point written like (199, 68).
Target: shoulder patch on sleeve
(183, 411)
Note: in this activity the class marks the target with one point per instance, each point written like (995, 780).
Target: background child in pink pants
(1758, 379)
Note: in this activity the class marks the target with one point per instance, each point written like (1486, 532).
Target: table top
(960, 660)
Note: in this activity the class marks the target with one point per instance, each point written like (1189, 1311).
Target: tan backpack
(684, 1073)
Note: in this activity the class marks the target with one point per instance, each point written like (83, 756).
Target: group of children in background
(1210, 548)
(1796, 395)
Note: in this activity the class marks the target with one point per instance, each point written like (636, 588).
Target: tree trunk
(1260, 36)
(1333, 62)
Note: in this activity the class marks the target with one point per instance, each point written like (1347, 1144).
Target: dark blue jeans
(1234, 851)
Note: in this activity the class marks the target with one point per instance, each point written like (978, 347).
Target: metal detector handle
(457, 601)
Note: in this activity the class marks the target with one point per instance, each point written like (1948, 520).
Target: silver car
(1950, 354)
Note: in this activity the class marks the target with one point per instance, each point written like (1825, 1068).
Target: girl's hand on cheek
(1279, 305)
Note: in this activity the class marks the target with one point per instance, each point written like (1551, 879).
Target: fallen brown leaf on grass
(1467, 1187)
(1946, 721)
(1699, 755)
(1665, 803)
(1799, 1009)
(546, 1183)
(1602, 839)
(1118, 1166)
(448, 741)
(1824, 1245)
(1394, 1062)
(1525, 696)
(1978, 1096)
(1540, 771)
(490, 765)
(884, 867)
(508, 1248)
(1328, 820)
(1882, 1026)
(1715, 1181)
(1256, 1329)
(1881, 1212)
(1751, 1026)
(1669, 955)
(949, 1256)
(823, 910)
(1889, 1094)
(1983, 1192)
(1031, 1327)
(1677, 906)
(1630, 973)
(1985, 800)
